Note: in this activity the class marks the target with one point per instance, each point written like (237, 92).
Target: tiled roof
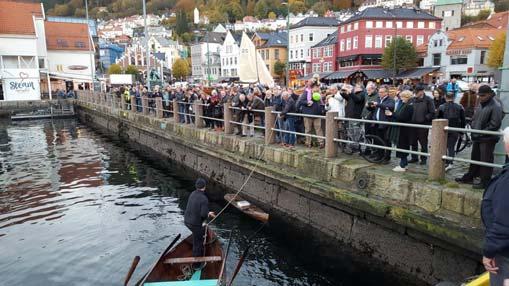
(316, 21)
(468, 38)
(499, 20)
(391, 13)
(213, 37)
(67, 36)
(330, 40)
(16, 17)
(165, 42)
(277, 39)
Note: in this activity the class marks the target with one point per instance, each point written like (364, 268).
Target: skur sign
(21, 86)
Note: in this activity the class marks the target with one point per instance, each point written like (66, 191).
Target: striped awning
(309, 76)
(376, 74)
(417, 73)
(339, 75)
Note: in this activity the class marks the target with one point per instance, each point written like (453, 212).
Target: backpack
(452, 112)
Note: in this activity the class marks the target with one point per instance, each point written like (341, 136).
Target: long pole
(146, 43)
(394, 50)
(504, 97)
(90, 43)
(287, 44)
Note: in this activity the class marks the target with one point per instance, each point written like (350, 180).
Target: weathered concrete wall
(425, 229)
(14, 106)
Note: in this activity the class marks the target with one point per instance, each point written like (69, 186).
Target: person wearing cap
(495, 216)
(455, 114)
(424, 112)
(488, 117)
(197, 211)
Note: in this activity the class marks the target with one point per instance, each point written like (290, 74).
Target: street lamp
(146, 43)
(394, 49)
(287, 43)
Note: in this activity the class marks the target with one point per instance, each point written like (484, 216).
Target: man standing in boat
(197, 211)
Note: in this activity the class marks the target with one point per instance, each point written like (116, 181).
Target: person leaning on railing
(207, 107)
(288, 120)
(310, 103)
(487, 117)
(424, 112)
(399, 135)
(383, 106)
(455, 114)
(242, 115)
(355, 100)
(495, 216)
(254, 105)
(367, 112)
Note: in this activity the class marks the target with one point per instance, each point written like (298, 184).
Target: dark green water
(76, 207)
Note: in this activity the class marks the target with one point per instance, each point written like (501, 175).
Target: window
(267, 54)
(368, 43)
(42, 64)
(441, 42)
(314, 53)
(311, 37)
(308, 52)
(291, 39)
(378, 42)
(348, 44)
(262, 53)
(420, 40)
(62, 43)
(319, 52)
(483, 57)
(316, 67)
(302, 37)
(10, 62)
(235, 60)
(27, 62)
(349, 27)
(369, 24)
(409, 38)
(399, 25)
(342, 45)
(79, 44)
(409, 24)
(431, 25)
(223, 62)
(388, 24)
(328, 51)
(388, 40)
(301, 53)
(327, 66)
(342, 29)
(458, 61)
(355, 42)
(276, 54)
(420, 24)
(291, 54)
(435, 43)
(356, 26)
(379, 24)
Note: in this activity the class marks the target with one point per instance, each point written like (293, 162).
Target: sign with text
(20, 85)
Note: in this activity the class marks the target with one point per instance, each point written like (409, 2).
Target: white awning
(68, 76)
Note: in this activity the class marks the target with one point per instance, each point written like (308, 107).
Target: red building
(361, 40)
(323, 56)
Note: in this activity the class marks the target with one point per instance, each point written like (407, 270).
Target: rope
(245, 182)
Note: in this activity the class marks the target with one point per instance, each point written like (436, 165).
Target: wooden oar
(142, 280)
(131, 270)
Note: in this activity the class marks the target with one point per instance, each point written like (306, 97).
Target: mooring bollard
(227, 118)
(159, 107)
(144, 105)
(331, 130)
(198, 113)
(176, 111)
(436, 168)
(270, 123)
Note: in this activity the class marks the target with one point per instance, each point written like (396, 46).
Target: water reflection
(75, 208)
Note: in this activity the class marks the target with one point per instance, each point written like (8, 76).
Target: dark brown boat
(247, 208)
(175, 267)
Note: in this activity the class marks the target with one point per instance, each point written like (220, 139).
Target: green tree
(279, 68)
(406, 56)
(180, 68)
(182, 23)
(250, 8)
(501, 6)
(298, 7)
(261, 9)
(272, 15)
(131, 70)
(321, 7)
(496, 52)
(114, 69)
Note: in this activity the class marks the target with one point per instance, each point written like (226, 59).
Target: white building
(22, 48)
(427, 5)
(206, 59)
(473, 7)
(230, 51)
(386, 3)
(170, 48)
(306, 34)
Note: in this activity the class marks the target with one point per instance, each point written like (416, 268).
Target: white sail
(252, 68)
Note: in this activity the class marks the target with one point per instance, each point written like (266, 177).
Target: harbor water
(76, 206)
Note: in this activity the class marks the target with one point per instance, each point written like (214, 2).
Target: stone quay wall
(14, 106)
(430, 230)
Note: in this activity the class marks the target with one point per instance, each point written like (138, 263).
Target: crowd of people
(301, 111)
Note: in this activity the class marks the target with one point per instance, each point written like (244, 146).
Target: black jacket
(197, 209)
(424, 110)
(383, 105)
(487, 117)
(355, 104)
(315, 109)
(367, 111)
(495, 215)
(452, 112)
(289, 107)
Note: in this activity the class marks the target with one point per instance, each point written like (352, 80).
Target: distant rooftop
(448, 2)
(330, 40)
(316, 21)
(391, 13)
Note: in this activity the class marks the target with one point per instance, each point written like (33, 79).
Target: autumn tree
(114, 69)
(321, 7)
(180, 69)
(261, 9)
(496, 52)
(279, 68)
(272, 15)
(404, 52)
(182, 25)
(250, 8)
(131, 70)
(297, 7)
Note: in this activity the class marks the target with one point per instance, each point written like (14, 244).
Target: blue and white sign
(21, 84)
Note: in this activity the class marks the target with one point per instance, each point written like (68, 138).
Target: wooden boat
(175, 267)
(247, 208)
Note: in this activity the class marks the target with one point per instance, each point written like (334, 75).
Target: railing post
(176, 111)
(123, 103)
(331, 130)
(436, 168)
(198, 113)
(134, 107)
(227, 117)
(270, 120)
(144, 105)
(159, 107)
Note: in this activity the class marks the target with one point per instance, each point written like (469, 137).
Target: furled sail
(252, 68)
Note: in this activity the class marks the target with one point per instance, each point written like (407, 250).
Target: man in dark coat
(380, 107)
(488, 117)
(424, 112)
(197, 211)
(495, 216)
(456, 116)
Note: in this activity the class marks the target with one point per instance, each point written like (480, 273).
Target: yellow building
(272, 48)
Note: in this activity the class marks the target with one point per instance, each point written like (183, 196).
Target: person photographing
(195, 215)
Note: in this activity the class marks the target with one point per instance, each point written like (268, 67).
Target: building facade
(229, 54)
(274, 50)
(109, 54)
(450, 11)
(304, 35)
(363, 38)
(206, 58)
(171, 49)
(323, 55)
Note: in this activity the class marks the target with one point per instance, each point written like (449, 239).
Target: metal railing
(154, 107)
